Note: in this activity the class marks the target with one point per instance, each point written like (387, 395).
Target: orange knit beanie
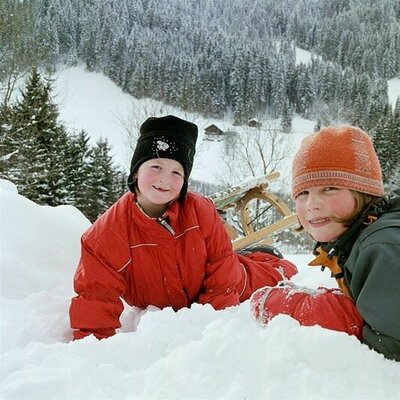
(342, 157)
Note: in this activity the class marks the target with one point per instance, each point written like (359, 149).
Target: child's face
(160, 181)
(316, 207)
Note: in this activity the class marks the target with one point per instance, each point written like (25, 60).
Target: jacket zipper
(166, 225)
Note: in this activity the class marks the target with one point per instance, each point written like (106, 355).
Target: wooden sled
(246, 204)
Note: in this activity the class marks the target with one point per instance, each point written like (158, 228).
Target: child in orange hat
(338, 192)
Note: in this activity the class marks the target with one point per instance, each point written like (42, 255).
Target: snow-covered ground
(192, 354)
(92, 102)
(195, 353)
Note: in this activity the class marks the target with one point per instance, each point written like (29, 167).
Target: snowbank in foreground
(192, 354)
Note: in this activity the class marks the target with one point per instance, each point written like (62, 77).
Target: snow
(91, 101)
(304, 56)
(195, 353)
(393, 90)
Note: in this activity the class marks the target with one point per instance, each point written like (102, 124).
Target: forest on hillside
(234, 58)
(225, 56)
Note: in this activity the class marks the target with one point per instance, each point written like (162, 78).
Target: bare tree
(143, 109)
(254, 152)
(139, 112)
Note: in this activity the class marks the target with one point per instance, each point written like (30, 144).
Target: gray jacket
(370, 260)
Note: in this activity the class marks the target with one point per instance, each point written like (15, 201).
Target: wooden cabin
(213, 130)
(253, 123)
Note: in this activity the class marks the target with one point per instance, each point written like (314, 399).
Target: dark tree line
(226, 57)
(49, 165)
(361, 34)
(386, 137)
(233, 55)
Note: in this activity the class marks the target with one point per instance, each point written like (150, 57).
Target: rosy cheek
(343, 209)
(151, 175)
(177, 179)
(299, 208)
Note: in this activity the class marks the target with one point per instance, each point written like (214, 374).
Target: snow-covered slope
(92, 102)
(195, 353)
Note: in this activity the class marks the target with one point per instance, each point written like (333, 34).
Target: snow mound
(195, 353)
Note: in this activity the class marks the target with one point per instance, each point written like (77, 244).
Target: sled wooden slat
(230, 197)
(240, 198)
(261, 236)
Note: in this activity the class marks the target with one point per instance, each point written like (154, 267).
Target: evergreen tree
(20, 47)
(347, 83)
(237, 84)
(76, 169)
(318, 125)
(375, 111)
(8, 147)
(101, 181)
(278, 90)
(357, 116)
(217, 57)
(38, 138)
(138, 83)
(286, 118)
(49, 166)
(387, 143)
(396, 111)
(254, 88)
(305, 93)
(120, 184)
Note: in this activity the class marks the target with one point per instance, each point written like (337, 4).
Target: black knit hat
(165, 137)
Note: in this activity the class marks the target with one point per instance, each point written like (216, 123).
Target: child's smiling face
(318, 207)
(160, 181)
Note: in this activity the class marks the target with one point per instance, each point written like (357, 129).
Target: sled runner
(251, 213)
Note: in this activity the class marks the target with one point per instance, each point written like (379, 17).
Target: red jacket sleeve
(264, 269)
(97, 308)
(278, 268)
(328, 308)
(223, 272)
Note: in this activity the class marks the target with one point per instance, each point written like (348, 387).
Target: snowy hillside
(90, 101)
(190, 354)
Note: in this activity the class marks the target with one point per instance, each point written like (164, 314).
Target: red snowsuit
(125, 254)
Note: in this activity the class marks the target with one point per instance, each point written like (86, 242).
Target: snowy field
(192, 354)
(92, 102)
(195, 353)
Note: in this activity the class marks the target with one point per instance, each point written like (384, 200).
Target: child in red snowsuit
(160, 245)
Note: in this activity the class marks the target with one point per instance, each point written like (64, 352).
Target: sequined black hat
(165, 137)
